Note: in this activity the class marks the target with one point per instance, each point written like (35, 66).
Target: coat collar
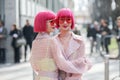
(73, 45)
(77, 37)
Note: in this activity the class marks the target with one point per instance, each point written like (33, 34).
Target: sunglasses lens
(52, 22)
(62, 20)
(69, 20)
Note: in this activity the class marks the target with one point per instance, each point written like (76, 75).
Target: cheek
(70, 24)
(48, 26)
(60, 25)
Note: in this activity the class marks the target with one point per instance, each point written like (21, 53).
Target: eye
(51, 21)
(68, 19)
(62, 19)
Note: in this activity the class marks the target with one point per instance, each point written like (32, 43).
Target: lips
(65, 26)
(53, 27)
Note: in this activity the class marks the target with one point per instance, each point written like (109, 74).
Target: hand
(90, 38)
(104, 33)
(15, 35)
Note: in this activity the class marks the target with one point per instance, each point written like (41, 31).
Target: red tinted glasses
(52, 22)
(62, 20)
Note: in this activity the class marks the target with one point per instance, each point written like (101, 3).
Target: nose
(65, 22)
(54, 24)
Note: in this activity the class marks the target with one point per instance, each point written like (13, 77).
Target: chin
(51, 31)
(66, 29)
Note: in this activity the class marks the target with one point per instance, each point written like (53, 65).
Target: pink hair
(40, 20)
(65, 12)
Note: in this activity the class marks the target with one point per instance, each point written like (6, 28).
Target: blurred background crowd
(89, 14)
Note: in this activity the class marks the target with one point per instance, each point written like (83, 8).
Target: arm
(60, 61)
(32, 57)
(80, 61)
(4, 34)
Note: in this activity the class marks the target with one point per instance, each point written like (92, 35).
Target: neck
(43, 33)
(65, 33)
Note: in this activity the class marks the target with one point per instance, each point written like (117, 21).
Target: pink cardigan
(76, 55)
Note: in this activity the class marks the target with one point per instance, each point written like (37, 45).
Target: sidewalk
(21, 71)
(97, 72)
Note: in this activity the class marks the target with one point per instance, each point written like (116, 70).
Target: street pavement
(20, 71)
(23, 71)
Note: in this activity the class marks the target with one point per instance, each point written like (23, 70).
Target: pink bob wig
(65, 12)
(41, 19)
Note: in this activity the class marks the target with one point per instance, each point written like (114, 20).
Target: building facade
(17, 11)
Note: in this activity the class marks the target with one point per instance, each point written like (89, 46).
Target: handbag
(20, 41)
(47, 64)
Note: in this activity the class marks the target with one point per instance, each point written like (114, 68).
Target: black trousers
(30, 45)
(16, 54)
(2, 55)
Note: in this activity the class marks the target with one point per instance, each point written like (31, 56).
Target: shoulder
(77, 37)
(4, 28)
(52, 40)
(31, 26)
(42, 42)
(24, 26)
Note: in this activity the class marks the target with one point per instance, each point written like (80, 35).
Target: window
(23, 7)
(29, 8)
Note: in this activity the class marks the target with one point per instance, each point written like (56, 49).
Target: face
(118, 23)
(27, 22)
(65, 23)
(12, 28)
(103, 23)
(51, 25)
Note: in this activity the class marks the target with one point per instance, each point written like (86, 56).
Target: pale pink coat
(75, 53)
(44, 44)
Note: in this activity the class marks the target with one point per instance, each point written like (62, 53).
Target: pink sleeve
(32, 57)
(80, 61)
(61, 63)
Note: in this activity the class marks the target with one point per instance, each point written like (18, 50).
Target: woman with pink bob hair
(44, 24)
(72, 45)
(46, 57)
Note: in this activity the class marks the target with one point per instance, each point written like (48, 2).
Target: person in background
(3, 37)
(15, 33)
(28, 35)
(71, 45)
(76, 31)
(117, 31)
(92, 35)
(105, 32)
